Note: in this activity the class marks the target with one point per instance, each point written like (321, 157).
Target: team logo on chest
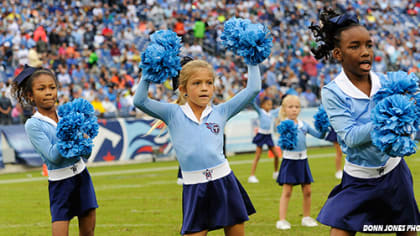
(213, 127)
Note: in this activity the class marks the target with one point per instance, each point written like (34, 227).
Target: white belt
(371, 172)
(264, 131)
(207, 175)
(66, 172)
(295, 155)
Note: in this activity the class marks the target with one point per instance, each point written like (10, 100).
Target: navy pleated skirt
(214, 205)
(294, 172)
(261, 139)
(71, 197)
(387, 200)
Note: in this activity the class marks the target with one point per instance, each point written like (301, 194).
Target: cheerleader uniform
(266, 120)
(212, 196)
(376, 189)
(294, 168)
(70, 187)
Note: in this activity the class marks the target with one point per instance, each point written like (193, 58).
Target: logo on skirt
(381, 170)
(209, 174)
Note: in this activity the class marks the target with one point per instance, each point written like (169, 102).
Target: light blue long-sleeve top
(266, 119)
(198, 143)
(348, 110)
(42, 134)
(303, 129)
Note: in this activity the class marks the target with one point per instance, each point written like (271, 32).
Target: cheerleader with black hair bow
(377, 186)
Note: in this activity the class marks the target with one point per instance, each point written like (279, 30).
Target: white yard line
(153, 169)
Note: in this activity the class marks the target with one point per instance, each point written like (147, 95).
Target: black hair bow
(344, 20)
(25, 73)
(175, 82)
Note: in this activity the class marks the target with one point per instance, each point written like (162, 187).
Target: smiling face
(199, 88)
(355, 52)
(44, 92)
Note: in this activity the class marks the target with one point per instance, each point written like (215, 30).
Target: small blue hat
(26, 73)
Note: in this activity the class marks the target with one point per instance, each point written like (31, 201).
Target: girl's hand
(85, 136)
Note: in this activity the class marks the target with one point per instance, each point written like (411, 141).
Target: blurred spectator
(5, 108)
(17, 114)
(34, 59)
(110, 110)
(97, 105)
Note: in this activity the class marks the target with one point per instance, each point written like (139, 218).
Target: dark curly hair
(327, 34)
(22, 91)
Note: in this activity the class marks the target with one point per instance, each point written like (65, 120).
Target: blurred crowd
(95, 46)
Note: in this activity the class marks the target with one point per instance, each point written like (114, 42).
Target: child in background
(294, 169)
(70, 186)
(212, 196)
(376, 189)
(266, 118)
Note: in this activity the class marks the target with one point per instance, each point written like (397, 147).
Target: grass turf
(144, 199)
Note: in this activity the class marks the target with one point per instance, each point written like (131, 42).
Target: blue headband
(26, 73)
(344, 20)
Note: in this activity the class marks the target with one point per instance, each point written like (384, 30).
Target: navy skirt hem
(71, 197)
(294, 172)
(261, 139)
(356, 203)
(214, 205)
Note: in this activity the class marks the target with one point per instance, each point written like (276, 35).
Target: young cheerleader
(266, 118)
(294, 168)
(376, 189)
(212, 196)
(70, 186)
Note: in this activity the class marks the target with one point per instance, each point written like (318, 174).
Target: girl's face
(355, 52)
(44, 92)
(292, 109)
(267, 105)
(200, 88)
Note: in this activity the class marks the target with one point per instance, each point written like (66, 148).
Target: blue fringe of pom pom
(252, 41)
(76, 118)
(394, 123)
(397, 83)
(160, 60)
(321, 123)
(288, 135)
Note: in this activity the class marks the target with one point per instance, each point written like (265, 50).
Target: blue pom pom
(167, 39)
(252, 41)
(160, 60)
(76, 119)
(394, 122)
(321, 123)
(397, 83)
(288, 135)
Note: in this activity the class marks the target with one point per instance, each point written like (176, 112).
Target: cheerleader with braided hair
(376, 188)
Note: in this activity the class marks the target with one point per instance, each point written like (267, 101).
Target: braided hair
(327, 34)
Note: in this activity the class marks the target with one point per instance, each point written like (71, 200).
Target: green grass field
(144, 199)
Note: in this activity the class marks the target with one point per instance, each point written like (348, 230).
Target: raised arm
(41, 142)
(342, 120)
(240, 100)
(255, 106)
(149, 106)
